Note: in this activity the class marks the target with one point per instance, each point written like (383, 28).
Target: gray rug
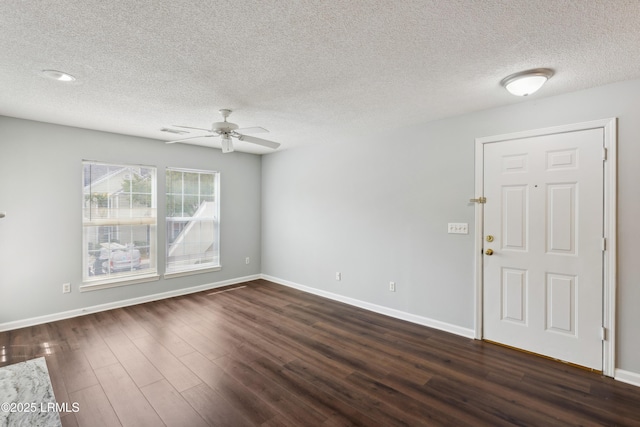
(26, 395)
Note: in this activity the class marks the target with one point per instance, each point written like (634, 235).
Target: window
(119, 224)
(192, 221)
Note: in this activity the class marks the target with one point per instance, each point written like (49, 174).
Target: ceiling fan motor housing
(223, 127)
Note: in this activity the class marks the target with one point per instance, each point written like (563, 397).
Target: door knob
(489, 252)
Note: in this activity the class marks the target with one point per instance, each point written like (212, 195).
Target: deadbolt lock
(489, 238)
(489, 252)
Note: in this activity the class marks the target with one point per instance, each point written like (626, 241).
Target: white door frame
(609, 127)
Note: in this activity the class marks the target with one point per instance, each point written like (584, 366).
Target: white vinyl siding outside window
(119, 224)
(192, 221)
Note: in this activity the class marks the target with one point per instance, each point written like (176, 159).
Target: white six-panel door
(543, 283)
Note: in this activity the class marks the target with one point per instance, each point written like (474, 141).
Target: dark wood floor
(267, 355)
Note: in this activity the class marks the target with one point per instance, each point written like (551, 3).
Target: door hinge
(479, 200)
(604, 243)
(603, 333)
(604, 153)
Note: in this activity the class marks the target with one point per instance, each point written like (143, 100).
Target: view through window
(192, 220)
(119, 221)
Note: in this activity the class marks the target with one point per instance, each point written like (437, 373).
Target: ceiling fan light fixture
(60, 76)
(527, 82)
(227, 145)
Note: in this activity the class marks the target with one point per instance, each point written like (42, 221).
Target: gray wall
(374, 210)
(41, 191)
(377, 210)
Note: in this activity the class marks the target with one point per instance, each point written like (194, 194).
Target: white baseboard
(628, 377)
(425, 321)
(118, 304)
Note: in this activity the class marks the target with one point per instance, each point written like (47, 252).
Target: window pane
(174, 205)
(194, 245)
(206, 184)
(174, 181)
(119, 250)
(141, 203)
(191, 183)
(191, 205)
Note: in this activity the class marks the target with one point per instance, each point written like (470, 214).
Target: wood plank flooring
(267, 355)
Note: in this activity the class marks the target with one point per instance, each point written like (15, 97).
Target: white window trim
(92, 284)
(116, 282)
(178, 273)
(205, 268)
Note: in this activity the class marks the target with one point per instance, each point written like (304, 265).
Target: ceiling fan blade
(191, 127)
(256, 129)
(259, 141)
(191, 137)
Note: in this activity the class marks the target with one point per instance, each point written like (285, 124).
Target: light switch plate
(458, 228)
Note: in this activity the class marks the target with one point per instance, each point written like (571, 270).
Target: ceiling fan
(226, 130)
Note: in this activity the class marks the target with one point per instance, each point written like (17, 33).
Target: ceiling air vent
(177, 132)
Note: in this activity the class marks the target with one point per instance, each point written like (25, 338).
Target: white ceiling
(309, 71)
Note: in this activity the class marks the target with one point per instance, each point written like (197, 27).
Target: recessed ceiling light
(58, 75)
(526, 82)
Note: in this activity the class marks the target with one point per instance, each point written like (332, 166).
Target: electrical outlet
(458, 228)
(66, 288)
(338, 276)
(392, 286)
(247, 260)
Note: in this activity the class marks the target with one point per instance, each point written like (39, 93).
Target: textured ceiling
(309, 71)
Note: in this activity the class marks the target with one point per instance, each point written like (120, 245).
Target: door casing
(609, 127)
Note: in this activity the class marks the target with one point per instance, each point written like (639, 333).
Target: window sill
(181, 273)
(112, 283)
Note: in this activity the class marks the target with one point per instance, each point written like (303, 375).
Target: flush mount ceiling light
(58, 75)
(526, 82)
